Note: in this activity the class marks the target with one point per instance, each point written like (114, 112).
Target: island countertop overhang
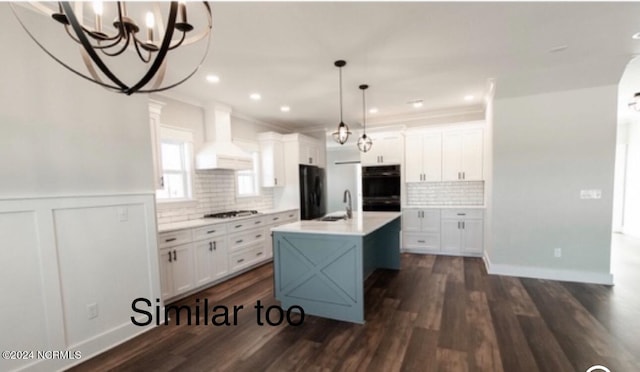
(362, 223)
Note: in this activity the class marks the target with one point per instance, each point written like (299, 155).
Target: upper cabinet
(423, 157)
(311, 151)
(462, 152)
(272, 159)
(387, 148)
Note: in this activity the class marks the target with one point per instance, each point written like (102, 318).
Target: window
(247, 180)
(176, 156)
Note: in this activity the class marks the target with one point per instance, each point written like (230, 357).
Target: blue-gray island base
(324, 272)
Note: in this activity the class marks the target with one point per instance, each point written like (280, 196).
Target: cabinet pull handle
(239, 241)
(275, 181)
(162, 182)
(175, 256)
(240, 260)
(291, 216)
(210, 247)
(214, 245)
(170, 256)
(276, 218)
(259, 236)
(310, 160)
(421, 241)
(170, 240)
(458, 225)
(462, 214)
(237, 226)
(211, 231)
(259, 253)
(458, 175)
(258, 222)
(463, 224)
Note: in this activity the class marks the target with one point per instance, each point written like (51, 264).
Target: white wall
(632, 186)
(546, 148)
(341, 177)
(81, 156)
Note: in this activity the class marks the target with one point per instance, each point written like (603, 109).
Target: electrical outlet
(123, 214)
(92, 310)
(557, 252)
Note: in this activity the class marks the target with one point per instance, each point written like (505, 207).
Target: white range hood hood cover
(221, 153)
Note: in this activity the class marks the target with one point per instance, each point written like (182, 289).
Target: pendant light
(342, 134)
(364, 142)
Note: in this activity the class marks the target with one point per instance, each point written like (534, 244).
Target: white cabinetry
(176, 270)
(272, 159)
(311, 151)
(274, 220)
(462, 231)
(387, 148)
(462, 152)
(210, 250)
(421, 229)
(423, 157)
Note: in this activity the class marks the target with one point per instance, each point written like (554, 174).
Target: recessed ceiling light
(469, 97)
(373, 110)
(285, 108)
(213, 78)
(416, 103)
(636, 36)
(255, 96)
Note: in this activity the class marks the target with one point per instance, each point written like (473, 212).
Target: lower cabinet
(443, 231)
(176, 270)
(211, 260)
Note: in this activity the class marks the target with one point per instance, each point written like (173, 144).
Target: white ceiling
(437, 52)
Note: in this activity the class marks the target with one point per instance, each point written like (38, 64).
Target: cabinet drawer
(282, 218)
(242, 225)
(239, 241)
(423, 241)
(462, 213)
(246, 257)
(210, 231)
(173, 238)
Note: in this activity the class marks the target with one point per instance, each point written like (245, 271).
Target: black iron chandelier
(124, 34)
(342, 134)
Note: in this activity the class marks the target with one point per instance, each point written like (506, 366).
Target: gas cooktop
(231, 214)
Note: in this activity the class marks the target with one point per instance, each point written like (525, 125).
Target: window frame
(252, 148)
(184, 138)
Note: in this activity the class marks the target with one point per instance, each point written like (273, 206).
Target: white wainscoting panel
(60, 255)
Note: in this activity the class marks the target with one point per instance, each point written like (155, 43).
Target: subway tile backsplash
(215, 191)
(445, 193)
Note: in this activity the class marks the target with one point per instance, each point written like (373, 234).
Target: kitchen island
(322, 265)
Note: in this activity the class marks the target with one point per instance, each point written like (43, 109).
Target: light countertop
(173, 226)
(444, 206)
(362, 223)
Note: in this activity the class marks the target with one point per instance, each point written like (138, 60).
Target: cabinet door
(204, 262)
(412, 219)
(220, 265)
(183, 268)
(451, 156)
(371, 157)
(166, 276)
(413, 159)
(471, 157)
(272, 156)
(391, 146)
(472, 234)
(432, 157)
(450, 236)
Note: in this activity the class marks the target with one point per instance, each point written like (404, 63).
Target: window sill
(162, 204)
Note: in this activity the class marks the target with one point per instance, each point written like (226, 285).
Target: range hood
(219, 152)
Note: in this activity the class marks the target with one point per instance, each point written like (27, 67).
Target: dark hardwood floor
(437, 313)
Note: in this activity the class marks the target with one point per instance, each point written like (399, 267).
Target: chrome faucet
(347, 193)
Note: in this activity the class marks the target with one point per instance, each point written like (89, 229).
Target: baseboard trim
(546, 273)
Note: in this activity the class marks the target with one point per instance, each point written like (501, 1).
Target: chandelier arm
(121, 50)
(204, 56)
(72, 36)
(179, 42)
(136, 43)
(87, 46)
(117, 38)
(162, 53)
(56, 58)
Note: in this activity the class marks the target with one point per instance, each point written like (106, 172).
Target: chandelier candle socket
(364, 142)
(342, 134)
(103, 43)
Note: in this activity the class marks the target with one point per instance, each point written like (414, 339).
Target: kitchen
(76, 160)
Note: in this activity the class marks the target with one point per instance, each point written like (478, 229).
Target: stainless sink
(333, 218)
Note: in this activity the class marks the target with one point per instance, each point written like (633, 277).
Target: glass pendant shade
(342, 134)
(364, 142)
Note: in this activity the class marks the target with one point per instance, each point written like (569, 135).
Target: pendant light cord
(340, 69)
(364, 112)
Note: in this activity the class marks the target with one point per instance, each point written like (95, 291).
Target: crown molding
(442, 116)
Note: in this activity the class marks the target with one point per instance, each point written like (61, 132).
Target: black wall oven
(381, 188)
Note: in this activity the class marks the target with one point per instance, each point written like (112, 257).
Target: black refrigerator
(312, 192)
